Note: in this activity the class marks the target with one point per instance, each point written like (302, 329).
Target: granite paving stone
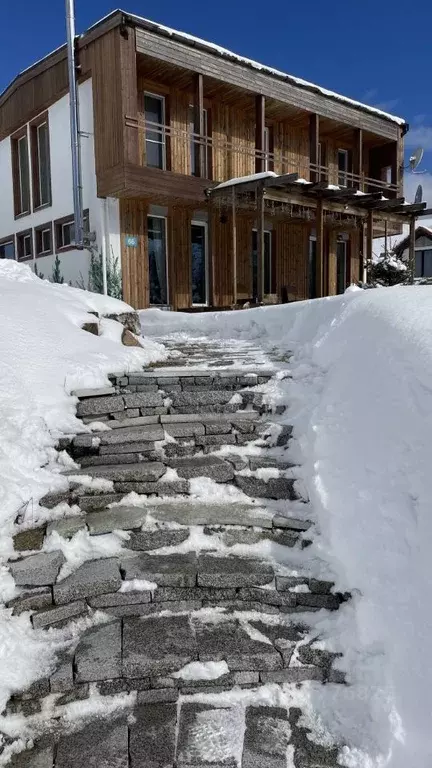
(149, 471)
(98, 654)
(274, 488)
(172, 488)
(153, 736)
(120, 598)
(90, 502)
(293, 675)
(232, 572)
(143, 400)
(229, 641)
(100, 405)
(31, 600)
(157, 645)
(41, 756)
(59, 615)
(28, 540)
(129, 434)
(135, 421)
(187, 429)
(175, 570)
(37, 570)
(95, 577)
(209, 397)
(209, 736)
(125, 518)
(119, 449)
(162, 537)
(266, 737)
(66, 526)
(203, 466)
(157, 696)
(204, 513)
(95, 392)
(280, 521)
(99, 745)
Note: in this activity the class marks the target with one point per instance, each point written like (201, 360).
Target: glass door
(157, 256)
(199, 263)
(312, 268)
(341, 266)
(268, 277)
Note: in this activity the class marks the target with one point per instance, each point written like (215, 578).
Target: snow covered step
(149, 471)
(83, 393)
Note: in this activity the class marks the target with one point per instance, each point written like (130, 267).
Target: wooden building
(311, 177)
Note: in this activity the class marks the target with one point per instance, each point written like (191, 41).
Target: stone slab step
(96, 392)
(203, 466)
(149, 471)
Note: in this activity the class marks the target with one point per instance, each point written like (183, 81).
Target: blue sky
(369, 50)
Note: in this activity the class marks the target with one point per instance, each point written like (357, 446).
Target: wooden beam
(259, 133)
(313, 145)
(384, 205)
(411, 258)
(234, 245)
(319, 249)
(358, 156)
(426, 212)
(416, 208)
(199, 125)
(369, 243)
(260, 241)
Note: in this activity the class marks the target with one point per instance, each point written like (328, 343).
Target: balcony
(180, 151)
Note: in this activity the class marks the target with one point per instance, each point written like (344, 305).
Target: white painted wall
(74, 264)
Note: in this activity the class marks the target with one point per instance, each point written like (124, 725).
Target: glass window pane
(153, 107)
(341, 267)
(43, 159)
(199, 277)
(312, 268)
(427, 263)
(7, 250)
(419, 264)
(24, 178)
(154, 154)
(157, 260)
(268, 288)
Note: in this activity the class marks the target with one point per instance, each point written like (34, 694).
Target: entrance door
(199, 263)
(157, 256)
(268, 276)
(312, 267)
(341, 266)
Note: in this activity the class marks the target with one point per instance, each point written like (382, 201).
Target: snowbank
(44, 355)
(361, 403)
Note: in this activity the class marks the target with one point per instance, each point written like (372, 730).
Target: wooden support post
(369, 244)
(358, 158)
(319, 226)
(411, 260)
(234, 246)
(314, 174)
(259, 133)
(260, 242)
(199, 126)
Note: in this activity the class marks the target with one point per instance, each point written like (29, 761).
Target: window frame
(339, 242)
(15, 139)
(5, 241)
(36, 175)
(420, 251)
(20, 236)
(271, 273)
(206, 143)
(165, 219)
(163, 143)
(48, 226)
(58, 227)
(204, 225)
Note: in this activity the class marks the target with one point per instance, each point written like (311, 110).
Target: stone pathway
(204, 626)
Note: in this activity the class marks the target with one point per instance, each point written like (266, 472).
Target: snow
(203, 670)
(44, 356)
(244, 179)
(360, 401)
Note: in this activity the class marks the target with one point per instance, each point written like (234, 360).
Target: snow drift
(360, 400)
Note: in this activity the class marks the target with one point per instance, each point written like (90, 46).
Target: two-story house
(211, 178)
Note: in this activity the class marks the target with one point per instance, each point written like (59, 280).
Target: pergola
(321, 198)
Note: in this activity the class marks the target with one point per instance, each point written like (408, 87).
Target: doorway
(341, 266)
(269, 287)
(199, 268)
(157, 257)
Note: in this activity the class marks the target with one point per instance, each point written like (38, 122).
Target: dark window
(25, 245)
(342, 167)
(21, 172)
(312, 265)
(197, 142)
(423, 265)
(199, 263)
(341, 266)
(154, 113)
(269, 280)
(322, 162)
(7, 248)
(41, 173)
(157, 256)
(65, 230)
(43, 236)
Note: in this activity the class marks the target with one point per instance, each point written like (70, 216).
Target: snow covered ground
(360, 401)
(44, 356)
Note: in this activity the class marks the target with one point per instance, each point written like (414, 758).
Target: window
(157, 259)
(423, 262)
(40, 150)
(7, 248)
(269, 276)
(341, 266)
(342, 167)
(21, 173)
(25, 245)
(195, 144)
(199, 268)
(43, 237)
(386, 174)
(155, 143)
(65, 230)
(322, 162)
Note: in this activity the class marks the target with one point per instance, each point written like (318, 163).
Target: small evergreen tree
(114, 282)
(57, 276)
(37, 273)
(389, 270)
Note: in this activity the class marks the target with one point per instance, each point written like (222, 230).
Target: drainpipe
(107, 246)
(74, 126)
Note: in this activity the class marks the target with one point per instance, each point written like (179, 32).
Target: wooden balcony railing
(218, 158)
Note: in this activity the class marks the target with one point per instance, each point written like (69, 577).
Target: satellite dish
(416, 158)
(419, 194)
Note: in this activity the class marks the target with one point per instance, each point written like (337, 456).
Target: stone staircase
(197, 634)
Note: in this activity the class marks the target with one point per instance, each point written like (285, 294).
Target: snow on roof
(244, 179)
(224, 52)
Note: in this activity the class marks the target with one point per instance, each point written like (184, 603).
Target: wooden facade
(222, 119)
